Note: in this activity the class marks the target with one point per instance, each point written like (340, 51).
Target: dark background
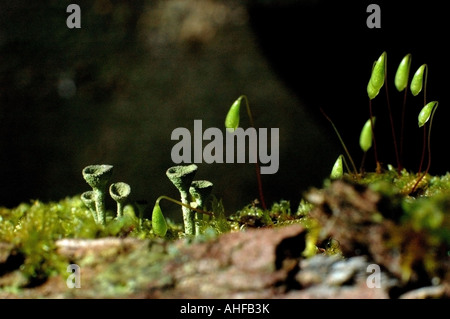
(113, 91)
(324, 51)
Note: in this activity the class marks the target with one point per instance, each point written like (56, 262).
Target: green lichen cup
(98, 176)
(120, 192)
(200, 191)
(182, 177)
(88, 198)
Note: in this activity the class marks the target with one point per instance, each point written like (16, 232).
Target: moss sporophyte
(367, 140)
(230, 146)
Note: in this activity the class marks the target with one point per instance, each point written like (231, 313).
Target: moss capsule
(425, 113)
(365, 139)
(417, 80)
(377, 76)
(338, 168)
(402, 74)
(232, 118)
(159, 224)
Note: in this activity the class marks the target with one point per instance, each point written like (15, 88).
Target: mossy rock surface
(321, 250)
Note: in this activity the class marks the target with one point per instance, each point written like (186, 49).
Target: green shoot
(417, 83)
(233, 116)
(427, 113)
(377, 76)
(158, 220)
(338, 168)
(401, 83)
(376, 82)
(159, 224)
(232, 123)
(366, 137)
(402, 74)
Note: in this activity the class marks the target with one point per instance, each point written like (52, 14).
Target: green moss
(415, 225)
(33, 228)
(139, 270)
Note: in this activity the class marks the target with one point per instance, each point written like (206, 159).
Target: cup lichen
(98, 176)
(120, 192)
(182, 176)
(88, 199)
(200, 191)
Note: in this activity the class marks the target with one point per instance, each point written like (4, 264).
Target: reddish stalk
(257, 166)
(378, 169)
(423, 149)
(394, 137)
(342, 142)
(424, 127)
(429, 153)
(403, 125)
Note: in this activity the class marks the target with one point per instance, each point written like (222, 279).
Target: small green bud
(425, 113)
(377, 76)
(338, 168)
(232, 118)
(365, 139)
(402, 74)
(417, 80)
(159, 224)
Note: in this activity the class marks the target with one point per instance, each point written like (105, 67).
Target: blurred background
(113, 91)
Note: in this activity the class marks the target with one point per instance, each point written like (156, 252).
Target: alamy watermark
(231, 148)
(73, 21)
(374, 279)
(74, 279)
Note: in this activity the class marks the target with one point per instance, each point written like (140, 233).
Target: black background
(323, 50)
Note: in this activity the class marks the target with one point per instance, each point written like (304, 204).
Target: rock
(430, 292)
(324, 276)
(255, 264)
